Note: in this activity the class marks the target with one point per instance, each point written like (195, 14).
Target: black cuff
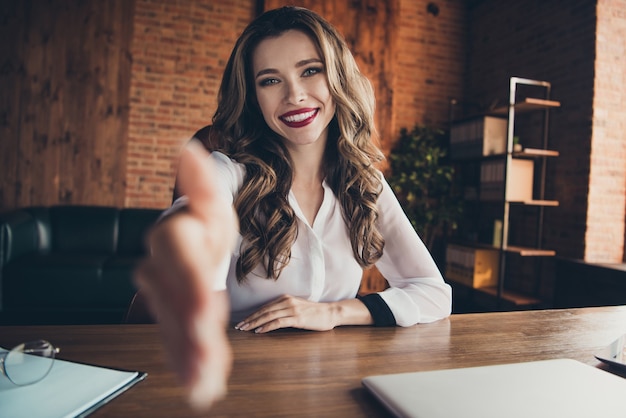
(382, 315)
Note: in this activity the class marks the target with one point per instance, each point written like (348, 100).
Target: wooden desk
(299, 373)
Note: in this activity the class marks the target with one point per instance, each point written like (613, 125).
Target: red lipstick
(299, 118)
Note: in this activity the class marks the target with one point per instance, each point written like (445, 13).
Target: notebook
(69, 390)
(548, 388)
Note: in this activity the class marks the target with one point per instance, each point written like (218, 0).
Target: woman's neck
(308, 164)
(308, 174)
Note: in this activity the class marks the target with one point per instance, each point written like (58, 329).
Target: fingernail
(242, 326)
(258, 330)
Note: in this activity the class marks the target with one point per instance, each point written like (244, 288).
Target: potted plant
(422, 178)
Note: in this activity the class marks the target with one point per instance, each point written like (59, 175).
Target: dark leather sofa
(69, 264)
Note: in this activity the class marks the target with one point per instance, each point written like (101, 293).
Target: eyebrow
(298, 65)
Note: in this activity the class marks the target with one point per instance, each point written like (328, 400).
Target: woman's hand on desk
(293, 312)
(187, 251)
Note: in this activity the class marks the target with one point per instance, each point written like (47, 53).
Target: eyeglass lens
(29, 362)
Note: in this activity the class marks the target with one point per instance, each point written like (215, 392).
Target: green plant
(422, 179)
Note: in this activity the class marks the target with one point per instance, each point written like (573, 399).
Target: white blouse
(322, 267)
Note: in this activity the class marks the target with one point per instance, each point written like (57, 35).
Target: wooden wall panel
(66, 98)
(10, 29)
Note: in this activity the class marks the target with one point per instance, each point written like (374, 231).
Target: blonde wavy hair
(268, 224)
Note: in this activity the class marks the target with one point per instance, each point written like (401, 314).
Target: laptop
(547, 388)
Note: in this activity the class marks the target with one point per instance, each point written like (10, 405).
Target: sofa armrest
(19, 235)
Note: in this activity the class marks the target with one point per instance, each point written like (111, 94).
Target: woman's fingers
(290, 311)
(188, 252)
(266, 313)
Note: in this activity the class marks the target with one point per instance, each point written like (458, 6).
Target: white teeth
(299, 117)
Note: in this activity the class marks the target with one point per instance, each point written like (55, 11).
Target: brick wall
(430, 61)
(607, 178)
(180, 48)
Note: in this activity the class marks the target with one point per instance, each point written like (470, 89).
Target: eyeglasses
(29, 362)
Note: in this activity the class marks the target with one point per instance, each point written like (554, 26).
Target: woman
(295, 160)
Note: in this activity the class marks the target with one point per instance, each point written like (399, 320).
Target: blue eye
(312, 71)
(268, 82)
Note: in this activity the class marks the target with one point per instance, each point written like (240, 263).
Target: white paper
(68, 390)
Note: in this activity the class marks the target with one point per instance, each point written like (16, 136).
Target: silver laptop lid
(549, 388)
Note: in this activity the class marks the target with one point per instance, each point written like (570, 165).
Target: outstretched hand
(189, 250)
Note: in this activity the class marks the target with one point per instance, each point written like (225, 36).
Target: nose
(295, 92)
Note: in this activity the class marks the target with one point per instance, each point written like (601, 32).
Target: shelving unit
(497, 185)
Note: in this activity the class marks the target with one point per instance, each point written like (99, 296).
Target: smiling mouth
(299, 118)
